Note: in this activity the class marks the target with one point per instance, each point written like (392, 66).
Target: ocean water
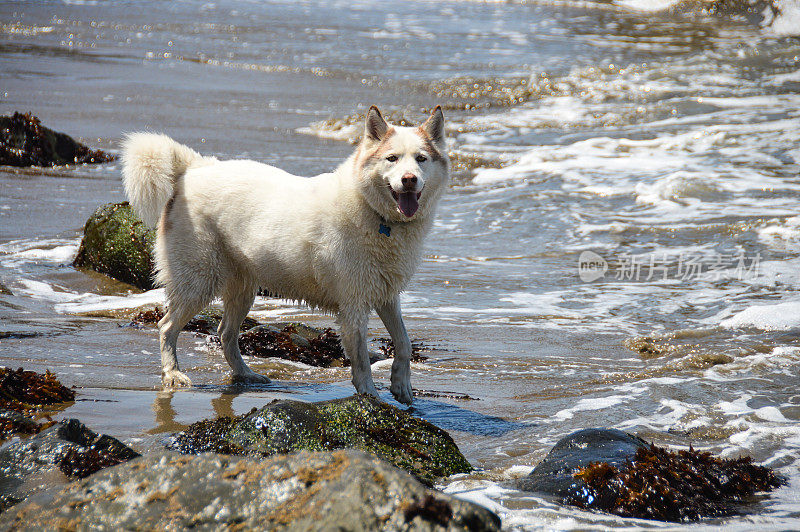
(620, 246)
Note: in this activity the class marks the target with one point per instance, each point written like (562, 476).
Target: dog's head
(403, 171)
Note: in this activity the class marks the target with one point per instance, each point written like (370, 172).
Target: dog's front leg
(354, 341)
(401, 366)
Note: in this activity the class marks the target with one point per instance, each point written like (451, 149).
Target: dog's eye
(392, 158)
(421, 158)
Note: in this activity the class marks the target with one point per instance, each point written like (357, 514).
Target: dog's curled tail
(151, 163)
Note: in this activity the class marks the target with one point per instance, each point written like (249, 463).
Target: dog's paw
(367, 388)
(174, 379)
(251, 377)
(402, 391)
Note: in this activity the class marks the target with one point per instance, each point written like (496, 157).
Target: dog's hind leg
(169, 327)
(401, 366)
(354, 340)
(237, 302)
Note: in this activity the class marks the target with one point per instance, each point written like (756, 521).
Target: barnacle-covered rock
(117, 243)
(358, 422)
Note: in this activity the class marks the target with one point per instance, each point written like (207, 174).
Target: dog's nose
(409, 181)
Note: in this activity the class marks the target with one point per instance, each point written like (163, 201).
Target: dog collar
(385, 229)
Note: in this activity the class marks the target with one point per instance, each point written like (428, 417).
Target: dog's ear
(434, 125)
(375, 127)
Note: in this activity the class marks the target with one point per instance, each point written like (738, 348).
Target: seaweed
(672, 486)
(204, 323)
(387, 350)
(22, 390)
(89, 452)
(22, 394)
(324, 350)
(24, 141)
(81, 464)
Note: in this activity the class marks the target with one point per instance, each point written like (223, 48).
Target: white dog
(345, 242)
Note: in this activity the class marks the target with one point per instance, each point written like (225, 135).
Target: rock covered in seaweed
(555, 474)
(315, 347)
(293, 341)
(118, 244)
(616, 472)
(359, 422)
(24, 141)
(340, 490)
(207, 322)
(69, 446)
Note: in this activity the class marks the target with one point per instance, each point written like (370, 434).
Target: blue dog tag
(385, 230)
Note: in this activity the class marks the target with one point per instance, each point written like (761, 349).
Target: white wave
(678, 189)
(783, 237)
(781, 360)
(594, 403)
(787, 22)
(780, 79)
(52, 251)
(44, 291)
(347, 133)
(66, 301)
(648, 5)
(88, 302)
(778, 316)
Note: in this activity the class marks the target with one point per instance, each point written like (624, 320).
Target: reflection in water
(165, 414)
(445, 415)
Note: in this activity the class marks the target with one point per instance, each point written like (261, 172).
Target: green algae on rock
(358, 422)
(24, 141)
(118, 244)
(339, 490)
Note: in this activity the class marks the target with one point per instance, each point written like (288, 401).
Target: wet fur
(226, 228)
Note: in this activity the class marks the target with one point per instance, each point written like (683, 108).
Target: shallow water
(663, 148)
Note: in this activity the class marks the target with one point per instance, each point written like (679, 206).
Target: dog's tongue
(407, 201)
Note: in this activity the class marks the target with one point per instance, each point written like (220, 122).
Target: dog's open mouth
(407, 202)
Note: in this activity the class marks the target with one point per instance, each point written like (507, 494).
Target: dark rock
(27, 466)
(25, 142)
(340, 490)
(631, 478)
(118, 244)
(555, 474)
(359, 422)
